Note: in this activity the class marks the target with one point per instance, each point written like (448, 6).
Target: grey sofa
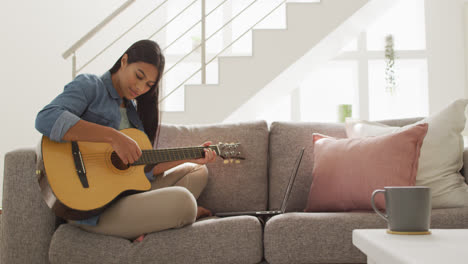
(32, 234)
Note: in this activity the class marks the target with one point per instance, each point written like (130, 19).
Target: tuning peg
(226, 161)
(237, 161)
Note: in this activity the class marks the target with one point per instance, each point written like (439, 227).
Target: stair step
(277, 54)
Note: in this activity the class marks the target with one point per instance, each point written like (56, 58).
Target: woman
(94, 109)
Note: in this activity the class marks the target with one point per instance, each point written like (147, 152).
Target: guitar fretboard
(165, 155)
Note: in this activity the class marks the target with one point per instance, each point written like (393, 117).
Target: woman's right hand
(126, 148)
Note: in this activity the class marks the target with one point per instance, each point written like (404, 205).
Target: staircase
(281, 58)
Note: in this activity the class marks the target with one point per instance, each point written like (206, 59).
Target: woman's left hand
(210, 155)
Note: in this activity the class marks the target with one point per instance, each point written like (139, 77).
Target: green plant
(390, 83)
(344, 111)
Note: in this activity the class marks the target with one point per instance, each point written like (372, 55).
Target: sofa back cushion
(231, 186)
(441, 154)
(286, 138)
(347, 171)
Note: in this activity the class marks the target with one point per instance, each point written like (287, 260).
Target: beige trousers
(171, 203)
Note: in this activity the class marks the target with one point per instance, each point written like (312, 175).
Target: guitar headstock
(231, 151)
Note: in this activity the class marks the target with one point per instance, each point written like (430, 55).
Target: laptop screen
(291, 180)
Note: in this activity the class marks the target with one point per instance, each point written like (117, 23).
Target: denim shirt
(91, 98)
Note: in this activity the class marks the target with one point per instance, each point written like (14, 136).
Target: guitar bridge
(79, 165)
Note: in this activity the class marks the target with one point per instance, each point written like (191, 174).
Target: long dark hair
(147, 104)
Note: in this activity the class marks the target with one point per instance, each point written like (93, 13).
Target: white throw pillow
(441, 157)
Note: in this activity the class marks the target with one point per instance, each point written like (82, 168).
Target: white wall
(445, 49)
(34, 34)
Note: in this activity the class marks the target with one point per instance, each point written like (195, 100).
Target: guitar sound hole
(117, 162)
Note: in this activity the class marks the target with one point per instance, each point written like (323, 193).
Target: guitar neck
(166, 155)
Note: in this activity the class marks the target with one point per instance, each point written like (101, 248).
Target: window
(319, 102)
(405, 22)
(361, 71)
(410, 96)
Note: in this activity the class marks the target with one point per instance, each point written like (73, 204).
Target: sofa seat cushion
(327, 237)
(226, 240)
(316, 237)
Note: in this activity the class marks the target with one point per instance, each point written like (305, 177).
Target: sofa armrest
(27, 222)
(465, 164)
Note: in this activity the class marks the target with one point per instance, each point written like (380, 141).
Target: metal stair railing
(121, 35)
(203, 67)
(203, 39)
(72, 50)
(91, 33)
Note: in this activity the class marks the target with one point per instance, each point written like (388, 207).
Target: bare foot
(203, 212)
(139, 239)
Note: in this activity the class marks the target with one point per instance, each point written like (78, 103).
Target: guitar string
(148, 156)
(157, 152)
(100, 155)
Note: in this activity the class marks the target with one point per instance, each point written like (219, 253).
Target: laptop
(292, 178)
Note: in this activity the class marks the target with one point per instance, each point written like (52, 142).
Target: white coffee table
(442, 246)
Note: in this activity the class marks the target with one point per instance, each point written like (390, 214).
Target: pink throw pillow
(347, 171)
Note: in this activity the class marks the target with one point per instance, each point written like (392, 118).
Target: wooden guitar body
(61, 186)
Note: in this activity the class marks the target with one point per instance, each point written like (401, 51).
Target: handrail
(121, 35)
(223, 26)
(172, 19)
(96, 29)
(203, 42)
(258, 22)
(180, 85)
(225, 48)
(152, 35)
(238, 14)
(194, 25)
(204, 39)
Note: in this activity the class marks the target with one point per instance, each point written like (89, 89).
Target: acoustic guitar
(80, 179)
